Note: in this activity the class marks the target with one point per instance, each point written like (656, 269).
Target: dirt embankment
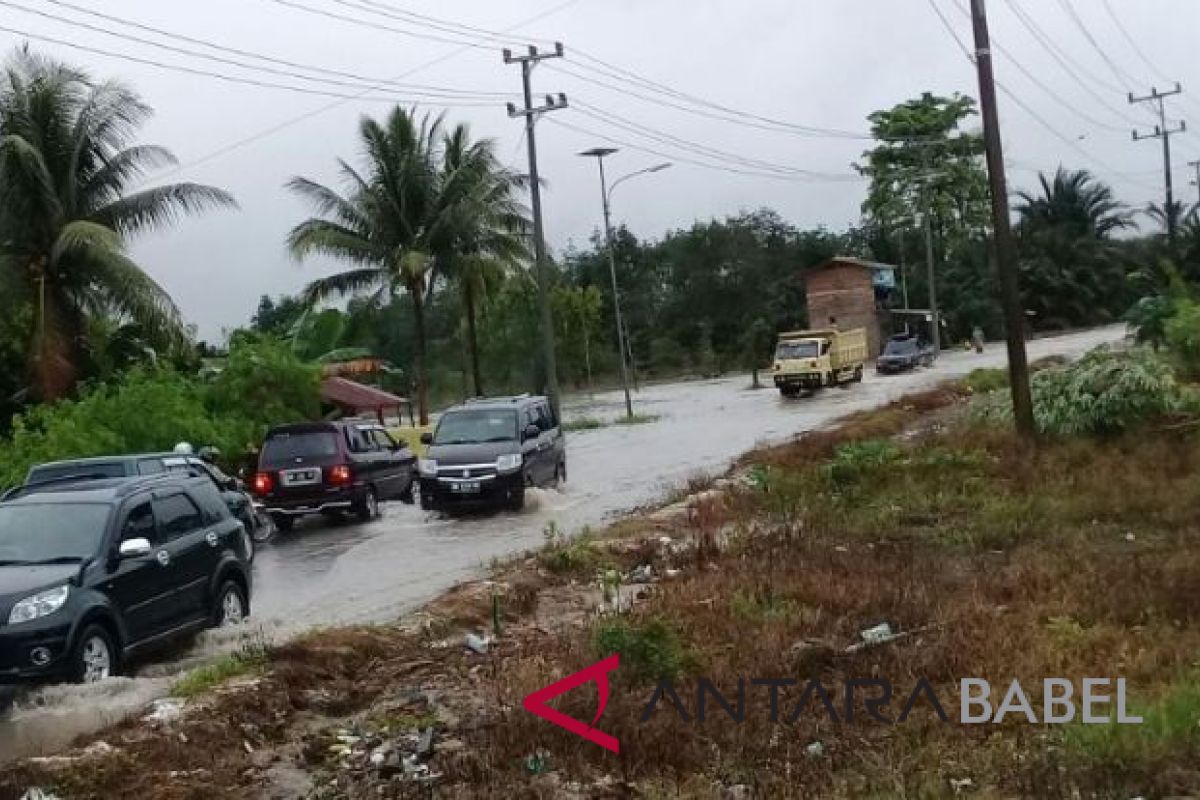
(960, 551)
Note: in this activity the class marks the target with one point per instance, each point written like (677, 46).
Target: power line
(429, 92)
(361, 79)
(1133, 43)
(969, 54)
(223, 77)
(1120, 74)
(687, 145)
(1073, 69)
(435, 23)
(681, 159)
(378, 25)
(316, 112)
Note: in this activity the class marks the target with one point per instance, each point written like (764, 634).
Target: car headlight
(42, 604)
(427, 467)
(510, 462)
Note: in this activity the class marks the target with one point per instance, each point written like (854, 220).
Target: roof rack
(516, 398)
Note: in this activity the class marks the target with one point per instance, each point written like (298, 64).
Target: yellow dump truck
(815, 359)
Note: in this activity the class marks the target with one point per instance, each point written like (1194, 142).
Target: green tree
(925, 162)
(427, 204)
(67, 212)
(485, 235)
(1072, 270)
(277, 316)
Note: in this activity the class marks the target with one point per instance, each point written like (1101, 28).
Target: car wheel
(368, 508)
(858, 374)
(560, 473)
(284, 523)
(264, 528)
(95, 656)
(231, 608)
(407, 496)
(516, 499)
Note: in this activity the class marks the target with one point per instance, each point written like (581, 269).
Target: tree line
(435, 242)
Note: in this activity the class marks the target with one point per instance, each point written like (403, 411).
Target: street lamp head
(660, 167)
(599, 152)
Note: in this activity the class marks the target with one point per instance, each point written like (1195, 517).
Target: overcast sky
(818, 64)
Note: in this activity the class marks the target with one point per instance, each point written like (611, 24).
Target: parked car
(904, 352)
(94, 571)
(331, 468)
(489, 451)
(232, 491)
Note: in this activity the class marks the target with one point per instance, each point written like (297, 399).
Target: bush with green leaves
(855, 461)
(649, 650)
(150, 409)
(1103, 393)
(1182, 335)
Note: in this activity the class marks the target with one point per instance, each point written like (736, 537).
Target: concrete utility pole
(1163, 131)
(1196, 166)
(1006, 265)
(531, 114)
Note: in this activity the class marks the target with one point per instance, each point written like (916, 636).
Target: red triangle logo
(535, 703)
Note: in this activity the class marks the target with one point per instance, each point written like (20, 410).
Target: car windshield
(900, 347)
(473, 427)
(54, 472)
(51, 532)
(793, 350)
(308, 444)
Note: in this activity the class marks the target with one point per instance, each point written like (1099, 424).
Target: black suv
(331, 467)
(231, 490)
(93, 571)
(489, 451)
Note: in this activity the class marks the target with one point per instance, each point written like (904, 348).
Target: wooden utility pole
(531, 114)
(1163, 131)
(1002, 249)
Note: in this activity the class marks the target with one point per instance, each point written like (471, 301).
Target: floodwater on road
(327, 573)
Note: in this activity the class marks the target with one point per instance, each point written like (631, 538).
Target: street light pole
(600, 153)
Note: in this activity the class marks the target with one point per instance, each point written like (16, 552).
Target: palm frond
(345, 283)
(161, 206)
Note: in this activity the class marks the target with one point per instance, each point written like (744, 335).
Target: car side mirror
(135, 548)
(426, 438)
(532, 432)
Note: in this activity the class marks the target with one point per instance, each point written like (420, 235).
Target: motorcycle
(264, 524)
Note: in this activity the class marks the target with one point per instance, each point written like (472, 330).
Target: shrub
(1182, 335)
(1103, 393)
(649, 651)
(854, 461)
(982, 381)
(149, 410)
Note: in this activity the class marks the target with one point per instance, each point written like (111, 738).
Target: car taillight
(262, 483)
(340, 475)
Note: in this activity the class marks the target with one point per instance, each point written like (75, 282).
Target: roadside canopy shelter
(356, 399)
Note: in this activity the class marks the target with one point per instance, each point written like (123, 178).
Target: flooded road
(325, 574)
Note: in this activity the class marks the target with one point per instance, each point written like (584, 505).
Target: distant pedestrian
(977, 339)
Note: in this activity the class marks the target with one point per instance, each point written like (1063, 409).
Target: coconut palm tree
(67, 210)
(387, 225)
(427, 204)
(487, 231)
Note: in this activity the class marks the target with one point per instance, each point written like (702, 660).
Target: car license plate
(467, 487)
(301, 477)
